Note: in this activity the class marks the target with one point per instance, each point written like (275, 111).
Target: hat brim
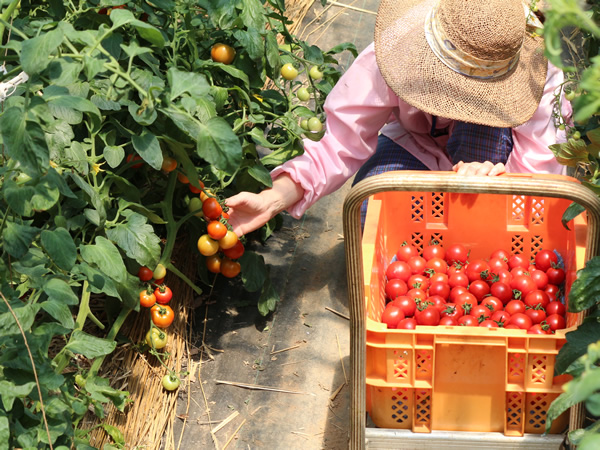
(417, 76)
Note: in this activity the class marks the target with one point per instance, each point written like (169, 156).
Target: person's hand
(476, 168)
(248, 212)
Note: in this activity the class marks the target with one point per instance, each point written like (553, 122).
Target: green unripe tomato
(576, 135)
(80, 380)
(304, 124)
(315, 73)
(195, 205)
(561, 126)
(289, 72)
(570, 95)
(303, 94)
(171, 382)
(314, 124)
(160, 272)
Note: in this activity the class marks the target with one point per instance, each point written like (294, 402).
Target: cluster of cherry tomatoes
(219, 244)
(156, 295)
(442, 286)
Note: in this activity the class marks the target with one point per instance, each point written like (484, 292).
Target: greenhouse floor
(302, 350)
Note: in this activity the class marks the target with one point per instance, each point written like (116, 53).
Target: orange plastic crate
(463, 378)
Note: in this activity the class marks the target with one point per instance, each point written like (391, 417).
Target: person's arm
(357, 108)
(248, 211)
(531, 140)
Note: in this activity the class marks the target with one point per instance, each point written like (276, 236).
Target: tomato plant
(88, 192)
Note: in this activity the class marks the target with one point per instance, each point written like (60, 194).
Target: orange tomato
(229, 268)
(222, 53)
(162, 315)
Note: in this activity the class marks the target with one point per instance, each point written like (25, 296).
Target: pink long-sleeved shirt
(361, 105)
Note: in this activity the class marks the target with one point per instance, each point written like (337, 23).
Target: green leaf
(136, 238)
(181, 82)
(148, 148)
(254, 271)
(72, 102)
(57, 289)
(253, 14)
(36, 51)
(60, 312)
(115, 434)
(99, 282)
(25, 315)
(10, 391)
(89, 346)
(252, 41)
(100, 390)
(4, 431)
(585, 290)
(312, 53)
(105, 255)
(345, 46)
(261, 174)
(113, 155)
(218, 145)
(60, 247)
(229, 69)
(24, 141)
(27, 199)
(590, 441)
(18, 238)
(577, 343)
(221, 13)
(272, 54)
(570, 213)
(570, 153)
(144, 114)
(563, 402)
(149, 33)
(268, 298)
(134, 49)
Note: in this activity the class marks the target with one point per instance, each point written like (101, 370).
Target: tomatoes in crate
(442, 286)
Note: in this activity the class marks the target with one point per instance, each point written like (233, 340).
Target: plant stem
(116, 326)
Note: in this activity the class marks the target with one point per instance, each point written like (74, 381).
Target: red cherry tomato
(517, 261)
(448, 321)
(500, 317)
(395, 288)
(479, 289)
(452, 310)
(488, 323)
(417, 264)
(406, 304)
(556, 307)
(501, 291)
(492, 303)
(514, 306)
(556, 322)
(556, 275)
(468, 321)
(535, 298)
(418, 281)
(434, 251)
(480, 312)
(145, 274)
(392, 315)
(441, 289)
(408, 323)
(428, 316)
(457, 253)
(406, 251)
(540, 278)
(163, 294)
(522, 320)
(545, 259)
(212, 208)
(537, 315)
(398, 269)
(538, 328)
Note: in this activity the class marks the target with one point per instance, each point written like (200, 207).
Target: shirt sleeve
(356, 109)
(531, 141)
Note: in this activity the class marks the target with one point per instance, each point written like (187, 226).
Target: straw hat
(476, 61)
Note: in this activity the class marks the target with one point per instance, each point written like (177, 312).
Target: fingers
(486, 168)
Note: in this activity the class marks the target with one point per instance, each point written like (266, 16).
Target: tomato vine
(117, 120)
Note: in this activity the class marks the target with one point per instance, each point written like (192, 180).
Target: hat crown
(489, 30)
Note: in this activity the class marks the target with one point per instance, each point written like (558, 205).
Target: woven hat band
(459, 60)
